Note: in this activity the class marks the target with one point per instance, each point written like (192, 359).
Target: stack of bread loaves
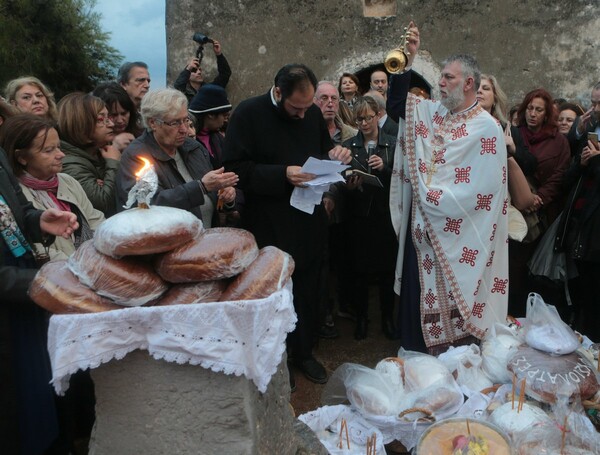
(160, 256)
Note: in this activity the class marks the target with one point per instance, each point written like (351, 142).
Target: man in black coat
(268, 139)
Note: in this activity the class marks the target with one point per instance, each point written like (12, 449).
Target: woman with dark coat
(578, 236)
(28, 421)
(367, 224)
(539, 129)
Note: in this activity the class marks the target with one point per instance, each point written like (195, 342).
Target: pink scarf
(46, 190)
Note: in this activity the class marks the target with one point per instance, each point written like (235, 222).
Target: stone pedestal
(150, 406)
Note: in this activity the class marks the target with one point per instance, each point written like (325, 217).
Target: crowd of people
(445, 202)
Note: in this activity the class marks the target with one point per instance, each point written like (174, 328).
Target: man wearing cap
(268, 139)
(191, 78)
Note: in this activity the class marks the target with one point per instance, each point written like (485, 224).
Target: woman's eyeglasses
(366, 118)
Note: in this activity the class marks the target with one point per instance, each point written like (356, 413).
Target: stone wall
(538, 43)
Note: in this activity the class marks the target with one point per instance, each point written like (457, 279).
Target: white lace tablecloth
(243, 337)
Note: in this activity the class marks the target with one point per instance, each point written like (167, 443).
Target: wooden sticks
(344, 430)
(372, 445)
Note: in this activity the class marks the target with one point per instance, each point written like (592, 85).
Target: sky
(137, 29)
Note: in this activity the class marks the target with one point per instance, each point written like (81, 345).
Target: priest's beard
(454, 99)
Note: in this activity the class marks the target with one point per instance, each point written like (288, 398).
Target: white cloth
(242, 337)
(450, 169)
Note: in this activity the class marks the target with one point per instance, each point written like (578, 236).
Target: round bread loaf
(549, 375)
(202, 292)
(216, 254)
(139, 231)
(127, 281)
(56, 289)
(267, 274)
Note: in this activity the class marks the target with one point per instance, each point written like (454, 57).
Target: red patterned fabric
(452, 173)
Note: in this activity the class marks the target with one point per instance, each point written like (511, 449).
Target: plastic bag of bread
(215, 254)
(269, 273)
(513, 419)
(465, 364)
(496, 349)
(57, 290)
(570, 432)
(190, 293)
(141, 231)
(128, 281)
(365, 388)
(545, 330)
(422, 370)
(549, 377)
(429, 385)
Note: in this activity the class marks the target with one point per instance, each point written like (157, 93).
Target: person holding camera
(191, 78)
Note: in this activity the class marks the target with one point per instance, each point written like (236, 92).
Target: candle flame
(146, 166)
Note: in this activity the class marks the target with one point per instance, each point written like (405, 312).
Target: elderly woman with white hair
(186, 179)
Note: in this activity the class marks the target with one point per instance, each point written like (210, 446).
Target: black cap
(210, 99)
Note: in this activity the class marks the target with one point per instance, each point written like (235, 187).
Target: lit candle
(145, 186)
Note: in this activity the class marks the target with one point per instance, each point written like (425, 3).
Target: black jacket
(260, 144)
(173, 190)
(371, 198)
(223, 74)
(578, 233)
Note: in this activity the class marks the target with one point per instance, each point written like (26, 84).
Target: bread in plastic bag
(570, 433)
(215, 254)
(465, 364)
(366, 389)
(140, 231)
(513, 420)
(57, 290)
(496, 349)
(545, 330)
(422, 370)
(429, 385)
(191, 293)
(128, 281)
(548, 376)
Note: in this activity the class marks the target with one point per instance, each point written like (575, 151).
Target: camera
(201, 39)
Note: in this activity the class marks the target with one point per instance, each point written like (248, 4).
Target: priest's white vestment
(449, 179)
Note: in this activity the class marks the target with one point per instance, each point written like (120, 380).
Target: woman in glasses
(121, 111)
(186, 178)
(368, 230)
(87, 133)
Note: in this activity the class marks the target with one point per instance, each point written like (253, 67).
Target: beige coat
(69, 190)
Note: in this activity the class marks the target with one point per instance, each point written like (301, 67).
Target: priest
(449, 208)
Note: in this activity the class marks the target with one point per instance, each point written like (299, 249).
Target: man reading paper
(268, 139)
(449, 207)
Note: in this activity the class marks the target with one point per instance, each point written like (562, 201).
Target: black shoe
(292, 378)
(360, 332)
(346, 314)
(313, 370)
(328, 332)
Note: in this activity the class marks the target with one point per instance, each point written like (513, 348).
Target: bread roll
(127, 281)
(203, 292)
(146, 231)
(56, 289)
(267, 274)
(216, 254)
